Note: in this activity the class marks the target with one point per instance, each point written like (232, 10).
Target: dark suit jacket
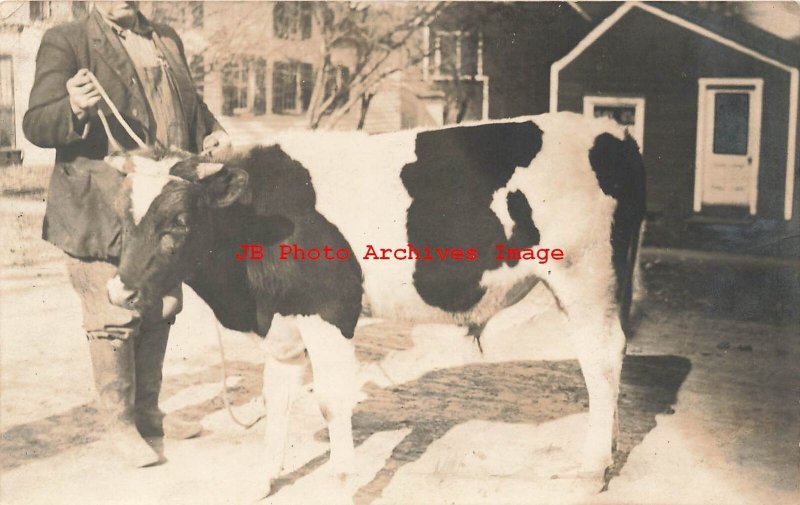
(80, 216)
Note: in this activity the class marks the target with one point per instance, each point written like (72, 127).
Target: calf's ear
(226, 186)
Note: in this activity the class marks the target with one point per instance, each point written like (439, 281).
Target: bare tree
(386, 39)
(383, 37)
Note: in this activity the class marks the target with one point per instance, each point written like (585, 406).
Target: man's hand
(217, 144)
(83, 95)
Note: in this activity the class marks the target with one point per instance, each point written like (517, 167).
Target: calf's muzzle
(119, 294)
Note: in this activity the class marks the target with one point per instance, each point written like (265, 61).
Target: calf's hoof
(263, 491)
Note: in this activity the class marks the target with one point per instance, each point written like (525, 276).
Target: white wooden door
(729, 138)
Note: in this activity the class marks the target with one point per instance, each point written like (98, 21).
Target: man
(143, 69)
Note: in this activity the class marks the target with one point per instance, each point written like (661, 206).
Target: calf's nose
(119, 294)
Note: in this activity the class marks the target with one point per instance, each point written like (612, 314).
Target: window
(731, 123)
(7, 133)
(457, 71)
(234, 88)
(457, 54)
(39, 11)
(292, 20)
(186, 15)
(627, 111)
(243, 89)
(292, 85)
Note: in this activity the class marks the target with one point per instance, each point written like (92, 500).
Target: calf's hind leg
(333, 363)
(599, 343)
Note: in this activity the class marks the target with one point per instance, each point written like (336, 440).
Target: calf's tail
(628, 231)
(619, 169)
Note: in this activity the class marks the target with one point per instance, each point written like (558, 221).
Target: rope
(116, 113)
(142, 145)
(114, 144)
(224, 378)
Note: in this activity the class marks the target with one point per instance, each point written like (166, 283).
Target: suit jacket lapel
(106, 46)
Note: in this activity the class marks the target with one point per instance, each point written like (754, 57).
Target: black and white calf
(556, 181)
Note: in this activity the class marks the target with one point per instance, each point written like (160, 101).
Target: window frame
(42, 11)
(301, 96)
(434, 71)
(249, 90)
(637, 102)
(300, 25)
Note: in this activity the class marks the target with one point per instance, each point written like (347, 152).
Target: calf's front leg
(333, 363)
(284, 367)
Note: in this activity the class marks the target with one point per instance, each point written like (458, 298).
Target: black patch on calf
(451, 185)
(524, 233)
(222, 283)
(278, 207)
(619, 169)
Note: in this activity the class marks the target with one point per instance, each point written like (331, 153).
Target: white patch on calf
(568, 207)
(208, 169)
(356, 178)
(500, 207)
(281, 385)
(334, 365)
(147, 181)
(357, 181)
(333, 362)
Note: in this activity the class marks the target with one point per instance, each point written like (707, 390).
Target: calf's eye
(168, 244)
(182, 220)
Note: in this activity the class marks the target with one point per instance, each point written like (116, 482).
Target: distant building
(712, 100)
(255, 64)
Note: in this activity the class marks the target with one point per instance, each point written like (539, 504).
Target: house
(255, 64)
(712, 101)
(254, 76)
(517, 42)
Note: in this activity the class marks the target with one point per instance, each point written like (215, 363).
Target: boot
(151, 345)
(112, 363)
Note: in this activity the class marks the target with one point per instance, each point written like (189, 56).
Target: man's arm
(50, 121)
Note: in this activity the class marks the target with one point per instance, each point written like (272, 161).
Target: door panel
(728, 142)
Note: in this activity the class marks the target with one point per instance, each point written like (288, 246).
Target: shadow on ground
(521, 392)
(83, 424)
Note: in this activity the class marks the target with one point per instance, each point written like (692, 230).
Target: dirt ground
(709, 406)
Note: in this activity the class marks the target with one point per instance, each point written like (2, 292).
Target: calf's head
(165, 206)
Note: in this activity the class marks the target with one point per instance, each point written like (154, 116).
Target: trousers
(101, 318)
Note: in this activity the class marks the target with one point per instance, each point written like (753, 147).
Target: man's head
(122, 13)
(165, 205)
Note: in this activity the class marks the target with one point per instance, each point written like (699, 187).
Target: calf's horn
(208, 169)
